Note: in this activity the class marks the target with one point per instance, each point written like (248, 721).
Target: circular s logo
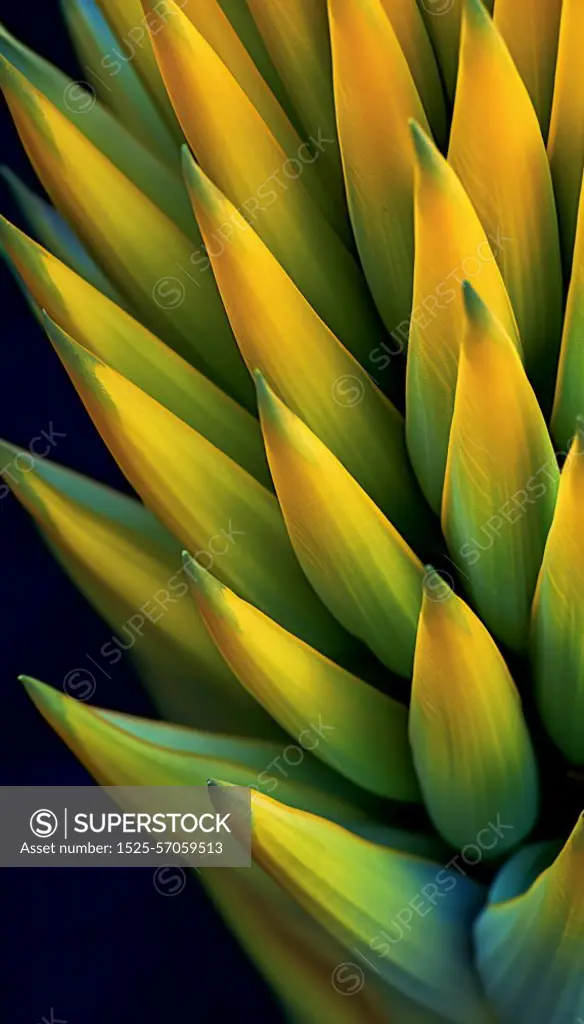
(347, 979)
(44, 823)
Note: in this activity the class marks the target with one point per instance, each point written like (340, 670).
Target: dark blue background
(96, 946)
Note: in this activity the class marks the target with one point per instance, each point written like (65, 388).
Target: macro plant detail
(316, 270)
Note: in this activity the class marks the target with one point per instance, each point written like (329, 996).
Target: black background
(92, 946)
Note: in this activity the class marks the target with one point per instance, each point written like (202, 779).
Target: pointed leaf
(501, 478)
(358, 890)
(181, 45)
(530, 948)
(366, 735)
(470, 743)
(496, 138)
(121, 750)
(566, 137)
(129, 568)
(280, 334)
(355, 559)
(182, 25)
(77, 104)
(124, 344)
(268, 184)
(531, 31)
(220, 513)
(558, 614)
(374, 97)
(450, 244)
(106, 207)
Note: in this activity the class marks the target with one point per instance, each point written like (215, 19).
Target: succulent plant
(316, 271)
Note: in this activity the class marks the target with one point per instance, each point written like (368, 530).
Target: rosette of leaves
(316, 271)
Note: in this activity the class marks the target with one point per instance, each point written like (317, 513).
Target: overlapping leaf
(77, 104)
(355, 559)
(106, 208)
(271, 186)
(470, 743)
(123, 750)
(501, 478)
(130, 23)
(124, 344)
(357, 891)
(296, 34)
(496, 138)
(280, 334)
(450, 244)
(365, 736)
(218, 511)
(130, 568)
(375, 95)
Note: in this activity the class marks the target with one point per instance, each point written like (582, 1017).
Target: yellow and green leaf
(566, 136)
(501, 478)
(123, 750)
(106, 207)
(129, 567)
(272, 187)
(451, 244)
(531, 30)
(558, 613)
(362, 894)
(375, 95)
(496, 138)
(123, 343)
(470, 743)
(214, 508)
(365, 734)
(77, 104)
(354, 558)
(280, 334)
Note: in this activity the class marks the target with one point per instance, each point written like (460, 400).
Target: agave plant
(336, 348)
